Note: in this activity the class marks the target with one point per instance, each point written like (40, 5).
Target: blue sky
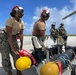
(32, 8)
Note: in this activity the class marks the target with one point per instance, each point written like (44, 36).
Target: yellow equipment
(49, 68)
(23, 63)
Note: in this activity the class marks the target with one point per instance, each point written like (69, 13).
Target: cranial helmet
(45, 13)
(61, 24)
(53, 25)
(16, 10)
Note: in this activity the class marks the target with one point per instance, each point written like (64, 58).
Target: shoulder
(41, 23)
(10, 19)
(36, 23)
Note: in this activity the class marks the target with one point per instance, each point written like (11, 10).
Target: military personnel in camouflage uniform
(8, 41)
(53, 32)
(63, 33)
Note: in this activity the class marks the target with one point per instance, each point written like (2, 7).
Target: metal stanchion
(47, 56)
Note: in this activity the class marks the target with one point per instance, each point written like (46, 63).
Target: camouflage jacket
(53, 31)
(62, 31)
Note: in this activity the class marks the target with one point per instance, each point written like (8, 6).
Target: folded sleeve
(9, 22)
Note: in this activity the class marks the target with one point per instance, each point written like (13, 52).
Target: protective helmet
(53, 25)
(61, 24)
(16, 10)
(45, 13)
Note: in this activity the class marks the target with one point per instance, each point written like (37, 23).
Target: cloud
(1, 26)
(56, 16)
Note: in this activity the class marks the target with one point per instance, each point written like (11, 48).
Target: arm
(21, 38)
(9, 32)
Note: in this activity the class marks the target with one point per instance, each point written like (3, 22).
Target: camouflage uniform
(63, 33)
(5, 49)
(54, 33)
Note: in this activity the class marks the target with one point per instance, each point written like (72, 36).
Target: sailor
(39, 30)
(62, 32)
(8, 42)
(53, 32)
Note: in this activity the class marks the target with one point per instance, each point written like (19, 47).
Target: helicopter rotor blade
(74, 12)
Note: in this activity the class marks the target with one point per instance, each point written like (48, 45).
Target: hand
(20, 47)
(15, 51)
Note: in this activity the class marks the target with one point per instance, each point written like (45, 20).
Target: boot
(10, 73)
(19, 72)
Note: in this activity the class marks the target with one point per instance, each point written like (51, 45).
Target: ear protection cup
(44, 15)
(14, 12)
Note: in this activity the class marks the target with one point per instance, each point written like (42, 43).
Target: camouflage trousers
(6, 50)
